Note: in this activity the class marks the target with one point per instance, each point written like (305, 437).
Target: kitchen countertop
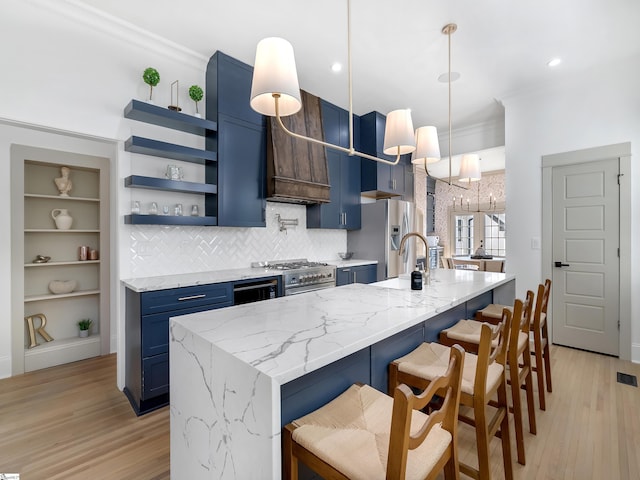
(164, 282)
(228, 365)
(289, 336)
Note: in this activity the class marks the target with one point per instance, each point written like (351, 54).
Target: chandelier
(275, 92)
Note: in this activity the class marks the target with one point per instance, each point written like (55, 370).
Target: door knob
(560, 264)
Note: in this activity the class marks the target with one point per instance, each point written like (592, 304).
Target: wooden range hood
(297, 171)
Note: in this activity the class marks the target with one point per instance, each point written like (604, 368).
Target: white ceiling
(398, 51)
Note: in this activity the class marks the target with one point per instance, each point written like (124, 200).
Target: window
(472, 230)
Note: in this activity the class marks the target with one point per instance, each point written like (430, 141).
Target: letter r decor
(32, 330)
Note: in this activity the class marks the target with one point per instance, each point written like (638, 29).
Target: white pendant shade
(470, 168)
(398, 133)
(427, 146)
(274, 71)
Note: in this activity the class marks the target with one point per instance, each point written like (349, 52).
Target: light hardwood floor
(71, 422)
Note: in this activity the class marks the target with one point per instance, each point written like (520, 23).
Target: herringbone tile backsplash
(159, 250)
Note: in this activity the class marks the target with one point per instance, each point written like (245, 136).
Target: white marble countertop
(287, 337)
(164, 282)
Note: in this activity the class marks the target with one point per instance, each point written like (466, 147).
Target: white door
(586, 269)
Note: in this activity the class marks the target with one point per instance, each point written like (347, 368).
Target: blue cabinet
(380, 180)
(356, 274)
(343, 210)
(240, 142)
(147, 337)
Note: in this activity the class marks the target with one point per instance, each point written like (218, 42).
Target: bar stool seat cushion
(430, 360)
(494, 310)
(468, 331)
(352, 433)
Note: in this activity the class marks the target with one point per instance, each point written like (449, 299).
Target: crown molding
(128, 32)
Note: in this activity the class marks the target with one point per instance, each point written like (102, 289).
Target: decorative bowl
(345, 255)
(62, 286)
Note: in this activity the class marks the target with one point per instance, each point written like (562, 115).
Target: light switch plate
(535, 243)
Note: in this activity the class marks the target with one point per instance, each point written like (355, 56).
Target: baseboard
(635, 352)
(5, 366)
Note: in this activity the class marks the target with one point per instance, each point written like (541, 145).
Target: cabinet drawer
(155, 376)
(186, 297)
(155, 328)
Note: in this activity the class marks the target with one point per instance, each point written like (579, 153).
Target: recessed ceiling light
(336, 67)
(554, 62)
(444, 78)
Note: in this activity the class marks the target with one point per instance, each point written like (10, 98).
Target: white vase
(62, 218)
(83, 333)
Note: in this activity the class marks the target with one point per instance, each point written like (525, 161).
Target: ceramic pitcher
(62, 218)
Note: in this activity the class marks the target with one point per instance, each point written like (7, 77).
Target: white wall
(601, 107)
(67, 70)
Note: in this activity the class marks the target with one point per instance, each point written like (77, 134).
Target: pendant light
(275, 93)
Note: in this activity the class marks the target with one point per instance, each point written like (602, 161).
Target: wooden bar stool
(540, 343)
(365, 434)
(467, 334)
(520, 373)
(483, 377)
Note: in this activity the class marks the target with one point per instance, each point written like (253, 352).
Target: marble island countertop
(164, 282)
(287, 337)
(237, 372)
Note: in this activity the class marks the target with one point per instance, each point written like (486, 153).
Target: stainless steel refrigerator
(384, 223)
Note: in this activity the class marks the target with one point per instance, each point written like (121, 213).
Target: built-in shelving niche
(34, 232)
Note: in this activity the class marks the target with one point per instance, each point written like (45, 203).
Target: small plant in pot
(196, 94)
(151, 77)
(84, 325)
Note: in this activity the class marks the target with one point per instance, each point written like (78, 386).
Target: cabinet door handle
(192, 297)
(355, 276)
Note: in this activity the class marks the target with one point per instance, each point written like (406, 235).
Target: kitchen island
(238, 374)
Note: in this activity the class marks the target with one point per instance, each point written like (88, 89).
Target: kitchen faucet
(427, 272)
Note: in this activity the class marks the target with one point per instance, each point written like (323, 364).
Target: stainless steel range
(301, 275)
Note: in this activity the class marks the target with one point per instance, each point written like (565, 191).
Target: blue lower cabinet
(433, 326)
(390, 349)
(478, 303)
(310, 392)
(147, 337)
(356, 274)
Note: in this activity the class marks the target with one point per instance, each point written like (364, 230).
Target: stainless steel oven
(248, 291)
(301, 275)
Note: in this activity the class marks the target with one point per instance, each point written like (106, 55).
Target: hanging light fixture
(427, 147)
(470, 172)
(470, 168)
(275, 93)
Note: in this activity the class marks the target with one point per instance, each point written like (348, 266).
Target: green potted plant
(151, 77)
(196, 94)
(84, 325)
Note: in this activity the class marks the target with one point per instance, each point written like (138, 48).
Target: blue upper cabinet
(343, 210)
(240, 143)
(380, 180)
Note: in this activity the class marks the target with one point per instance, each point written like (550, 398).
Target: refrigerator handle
(405, 230)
